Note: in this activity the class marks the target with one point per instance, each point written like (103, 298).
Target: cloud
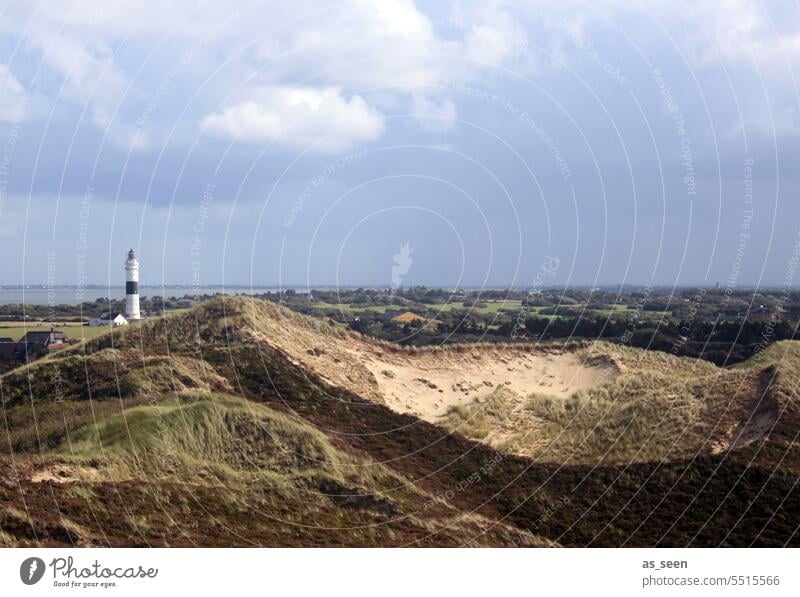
(434, 115)
(491, 44)
(12, 94)
(93, 59)
(391, 43)
(491, 35)
(365, 44)
(87, 75)
(748, 39)
(744, 33)
(299, 117)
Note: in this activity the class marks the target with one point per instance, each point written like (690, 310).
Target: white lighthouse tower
(132, 286)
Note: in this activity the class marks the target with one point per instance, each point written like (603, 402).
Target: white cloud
(746, 37)
(391, 43)
(391, 53)
(89, 76)
(373, 48)
(360, 43)
(12, 93)
(492, 36)
(490, 44)
(116, 18)
(742, 33)
(299, 117)
(434, 115)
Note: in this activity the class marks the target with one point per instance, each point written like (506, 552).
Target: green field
(76, 332)
(486, 308)
(348, 308)
(489, 307)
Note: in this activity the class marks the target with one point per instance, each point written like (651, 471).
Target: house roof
(110, 316)
(16, 351)
(8, 350)
(43, 337)
(407, 317)
(36, 336)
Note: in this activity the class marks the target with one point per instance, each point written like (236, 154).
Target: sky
(398, 143)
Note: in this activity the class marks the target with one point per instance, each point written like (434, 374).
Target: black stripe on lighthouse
(131, 288)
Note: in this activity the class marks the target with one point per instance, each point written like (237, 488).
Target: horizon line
(605, 286)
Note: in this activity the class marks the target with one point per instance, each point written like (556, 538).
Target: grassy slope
(650, 412)
(213, 469)
(162, 437)
(76, 332)
(682, 502)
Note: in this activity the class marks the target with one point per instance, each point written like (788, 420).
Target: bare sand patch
(63, 473)
(429, 384)
(755, 426)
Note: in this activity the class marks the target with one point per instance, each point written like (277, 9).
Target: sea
(38, 295)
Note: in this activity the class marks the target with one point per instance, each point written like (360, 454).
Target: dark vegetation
(88, 309)
(723, 326)
(718, 325)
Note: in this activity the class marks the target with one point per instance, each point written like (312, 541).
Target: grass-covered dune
(196, 429)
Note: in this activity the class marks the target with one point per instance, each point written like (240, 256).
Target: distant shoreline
(296, 287)
(36, 295)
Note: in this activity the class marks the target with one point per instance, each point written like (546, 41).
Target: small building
(403, 317)
(108, 319)
(13, 354)
(50, 339)
(30, 347)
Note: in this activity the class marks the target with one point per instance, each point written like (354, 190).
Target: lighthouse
(132, 286)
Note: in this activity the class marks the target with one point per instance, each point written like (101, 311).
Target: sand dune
(561, 402)
(428, 384)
